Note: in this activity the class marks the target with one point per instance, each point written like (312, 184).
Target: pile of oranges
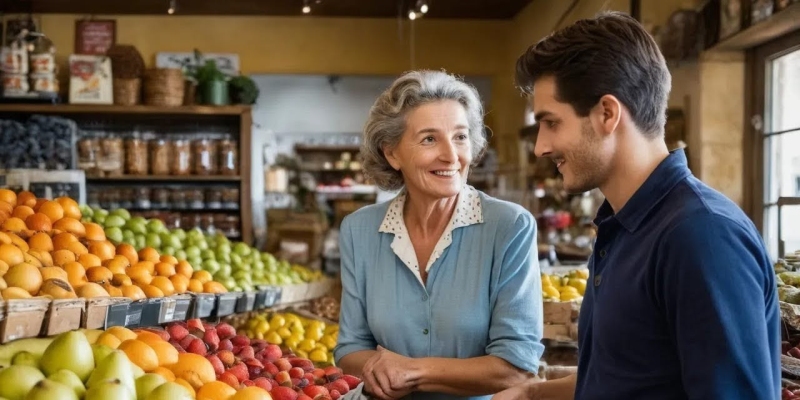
(45, 250)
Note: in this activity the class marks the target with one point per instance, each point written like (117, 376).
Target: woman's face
(435, 151)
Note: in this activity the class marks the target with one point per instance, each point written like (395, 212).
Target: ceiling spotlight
(306, 9)
(423, 8)
(173, 6)
(412, 15)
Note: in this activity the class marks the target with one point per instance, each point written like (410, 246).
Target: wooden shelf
(114, 109)
(776, 25)
(301, 148)
(166, 178)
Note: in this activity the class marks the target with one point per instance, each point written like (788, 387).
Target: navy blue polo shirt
(681, 301)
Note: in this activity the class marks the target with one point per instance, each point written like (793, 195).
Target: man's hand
(525, 391)
(389, 376)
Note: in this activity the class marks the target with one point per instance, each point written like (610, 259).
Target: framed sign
(95, 36)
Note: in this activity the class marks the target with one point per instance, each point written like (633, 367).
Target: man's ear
(607, 114)
(388, 152)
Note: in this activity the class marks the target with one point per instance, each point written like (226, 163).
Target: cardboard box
(63, 315)
(96, 311)
(24, 318)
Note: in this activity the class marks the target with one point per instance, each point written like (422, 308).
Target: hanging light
(423, 7)
(420, 9)
(306, 7)
(173, 6)
(412, 15)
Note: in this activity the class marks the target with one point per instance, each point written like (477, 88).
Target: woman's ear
(391, 157)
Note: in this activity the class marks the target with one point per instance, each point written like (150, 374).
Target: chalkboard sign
(52, 190)
(94, 36)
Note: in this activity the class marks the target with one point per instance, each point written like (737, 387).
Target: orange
(14, 224)
(167, 354)
(166, 373)
(166, 258)
(140, 354)
(214, 287)
(5, 238)
(44, 257)
(38, 222)
(3, 269)
(62, 240)
(11, 254)
(98, 274)
(202, 276)
(251, 393)
(52, 210)
(148, 265)
(121, 280)
(54, 273)
(63, 256)
(76, 274)
(108, 339)
(26, 198)
(91, 290)
(18, 241)
(164, 269)
(104, 250)
(133, 292)
(184, 268)
(8, 196)
(164, 284)
(70, 207)
(194, 368)
(24, 276)
(94, 231)
(122, 333)
(112, 290)
(22, 212)
(78, 248)
(89, 260)
(6, 208)
(149, 254)
(129, 252)
(149, 338)
(195, 286)
(40, 241)
(180, 282)
(140, 274)
(151, 291)
(117, 265)
(216, 390)
(70, 225)
(39, 203)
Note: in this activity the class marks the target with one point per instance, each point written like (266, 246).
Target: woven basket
(163, 87)
(127, 92)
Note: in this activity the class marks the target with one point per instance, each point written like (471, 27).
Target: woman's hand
(388, 375)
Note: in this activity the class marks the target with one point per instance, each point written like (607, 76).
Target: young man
(681, 301)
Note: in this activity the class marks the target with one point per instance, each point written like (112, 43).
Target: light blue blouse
(482, 297)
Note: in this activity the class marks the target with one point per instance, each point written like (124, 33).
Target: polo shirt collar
(669, 173)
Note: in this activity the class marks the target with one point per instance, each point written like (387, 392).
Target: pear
(100, 351)
(72, 351)
(116, 366)
(26, 358)
(138, 372)
(50, 390)
(169, 391)
(109, 389)
(17, 380)
(69, 379)
(147, 383)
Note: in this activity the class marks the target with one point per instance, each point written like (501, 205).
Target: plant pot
(216, 93)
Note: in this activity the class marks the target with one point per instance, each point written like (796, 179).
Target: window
(776, 90)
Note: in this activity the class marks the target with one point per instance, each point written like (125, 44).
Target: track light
(420, 9)
(173, 6)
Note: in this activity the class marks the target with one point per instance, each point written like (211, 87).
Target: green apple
(236, 260)
(178, 233)
(192, 252)
(86, 211)
(114, 234)
(223, 258)
(156, 225)
(225, 270)
(241, 249)
(195, 261)
(153, 240)
(211, 266)
(169, 239)
(114, 221)
(168, 250)
(207, 254)
(202, 245)
(125, 214)
(141, 242)
(257, 265)
(223, 248)
(136, 226)
(180, 254)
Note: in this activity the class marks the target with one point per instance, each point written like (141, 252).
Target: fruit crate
(63, 315)
(23, 318)
(560, 312)
(98, 310)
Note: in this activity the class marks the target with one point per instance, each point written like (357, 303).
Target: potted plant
(213, 84)
(243, 90)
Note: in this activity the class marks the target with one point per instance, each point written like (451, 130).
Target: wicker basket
(127, 92)
(163, 87)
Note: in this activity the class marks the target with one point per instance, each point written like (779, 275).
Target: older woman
(441, 287)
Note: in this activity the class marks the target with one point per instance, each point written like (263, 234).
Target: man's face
(582, 155)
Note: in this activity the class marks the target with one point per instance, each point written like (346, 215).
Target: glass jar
(142, 198)
(207, 224)
(190, 221)
(159, 156)
(136, 157)
(88, 154)
(213, 197)
(230, 198)
(194, 198)
(181, 162)
(112, 154)
(93, 198)
(204, 156)
(112, 198)
(160, 198)
(179, 199)
(228, 225)
(126, 198)
(228, 157)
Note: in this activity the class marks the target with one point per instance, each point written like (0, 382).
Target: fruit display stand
(787, 272)
(560, 320)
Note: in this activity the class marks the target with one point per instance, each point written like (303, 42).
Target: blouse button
(424, 297)
(424, 331)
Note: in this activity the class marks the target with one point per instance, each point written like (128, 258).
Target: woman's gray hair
(387, 119)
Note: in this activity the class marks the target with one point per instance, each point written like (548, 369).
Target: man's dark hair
(609, 54)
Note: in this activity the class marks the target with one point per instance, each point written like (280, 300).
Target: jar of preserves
(207, 224)
(136, 157)
(112, 198)
(93, 198)
(88, 154)
(111, 156)
(159, 156)
(142, 198)
(228, 225)
(181, 162)
(213, 197)
(194, 198)
(228, 157)
(160, 198)
(230, 198)
(179, 199)
(126, 198)
(204, 156)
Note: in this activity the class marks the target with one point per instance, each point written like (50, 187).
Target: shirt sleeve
(516, 328)
(717, 289)
(354, 332)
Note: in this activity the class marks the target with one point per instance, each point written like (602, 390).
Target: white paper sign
(226, 62)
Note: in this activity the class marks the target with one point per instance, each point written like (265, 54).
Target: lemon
(320, 346)
(273, 338)
(578, 283)
(546, 280)
(318, 356)
(568, 296)
(298, 330)
(277, 321)
(262, 326)
(568, 289)
(259, 335)
(331, 329)
(314, 334)
(328, 341)
(292, 342)
(550, 291)
(307, 345)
